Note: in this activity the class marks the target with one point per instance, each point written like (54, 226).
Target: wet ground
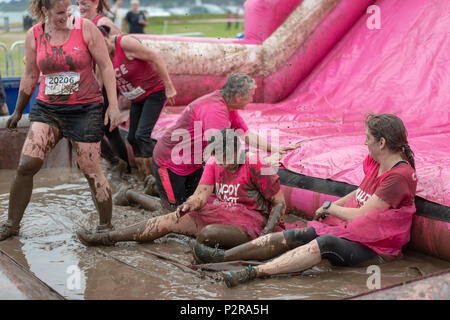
(61, 203)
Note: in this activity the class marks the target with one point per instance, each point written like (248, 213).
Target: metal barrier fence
(5, 48)
(20, 45)
(13, 58)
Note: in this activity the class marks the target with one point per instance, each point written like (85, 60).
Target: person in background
(69, 104)
(147, 89)
(368, 226)
(115, 14)
(96, 10)
(136, 20)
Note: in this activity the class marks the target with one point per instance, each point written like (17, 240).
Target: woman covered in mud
(369, 225)
(113, 149)
(69, 104)
(147, 89)
(248, 202)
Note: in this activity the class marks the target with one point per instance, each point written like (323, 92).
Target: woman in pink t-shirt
(248, 202)
(367, 225)
(94, 10)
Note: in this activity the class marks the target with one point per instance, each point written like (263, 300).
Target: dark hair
(103, 6)
(391, 128)
(104, 30)
(224, 141)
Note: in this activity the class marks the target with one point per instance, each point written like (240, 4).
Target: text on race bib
(62, 83)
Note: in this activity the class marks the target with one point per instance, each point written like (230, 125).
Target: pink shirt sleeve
(208, 176)
(265, 177)
(394, 189)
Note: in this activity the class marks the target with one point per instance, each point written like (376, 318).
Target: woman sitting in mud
(367, 225)
(248, 202)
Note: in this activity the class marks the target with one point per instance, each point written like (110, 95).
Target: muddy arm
(278, 210)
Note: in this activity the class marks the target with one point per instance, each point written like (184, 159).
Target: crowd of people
(210, 185)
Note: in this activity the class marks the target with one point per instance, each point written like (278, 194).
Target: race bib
(131, 95)
(62, 83)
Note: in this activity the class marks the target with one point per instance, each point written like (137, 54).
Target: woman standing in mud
(114, 149)
(147, 89)
(368, 225)
(69, 104)
(248, 202)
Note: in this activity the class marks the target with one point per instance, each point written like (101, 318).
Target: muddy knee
(299, 236)
(223, 235)
(29, 166)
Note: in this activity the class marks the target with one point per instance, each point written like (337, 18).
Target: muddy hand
(290, 147)
(319, 214)
(113, 115)
(182, 209)
(11, 124)
(170, 95)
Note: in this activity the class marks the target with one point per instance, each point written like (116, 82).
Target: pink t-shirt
(181, 147)
(385, 231)
(252, 185)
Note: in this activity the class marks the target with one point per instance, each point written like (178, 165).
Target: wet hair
(237, 83)
(391, 128)
(35, 8)
(105, 30)
(224, 141)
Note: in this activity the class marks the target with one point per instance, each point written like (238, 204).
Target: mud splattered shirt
(252, 185)
(67, 70)
(136, 79)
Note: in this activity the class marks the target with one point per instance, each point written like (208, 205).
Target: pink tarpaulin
(402, 68)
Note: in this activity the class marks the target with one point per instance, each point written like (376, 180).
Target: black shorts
(77, 122)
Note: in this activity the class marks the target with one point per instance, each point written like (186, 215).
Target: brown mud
(61, 203)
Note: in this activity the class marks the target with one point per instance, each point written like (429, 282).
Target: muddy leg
(225, 236)
(155, 228)
(88, 158)
(40, 140)
(295, 260)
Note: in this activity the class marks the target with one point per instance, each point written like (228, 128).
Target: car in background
(155, 12)
(179, 11)
(206, 9)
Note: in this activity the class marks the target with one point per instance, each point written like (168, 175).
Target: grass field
(156, 26)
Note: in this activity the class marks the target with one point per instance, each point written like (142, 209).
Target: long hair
(35, 8)
(391, 128)
(103, 7)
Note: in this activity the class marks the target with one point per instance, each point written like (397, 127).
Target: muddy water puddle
(62, 203)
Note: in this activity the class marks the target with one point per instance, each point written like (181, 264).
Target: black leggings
(143, 117)
(115, 146)
(339, 251)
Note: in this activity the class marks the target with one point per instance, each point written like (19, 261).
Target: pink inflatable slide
(321, 66)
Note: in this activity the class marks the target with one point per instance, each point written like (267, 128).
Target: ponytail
(409, 155)
(103, 7)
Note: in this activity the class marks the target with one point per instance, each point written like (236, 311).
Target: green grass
(156, 26)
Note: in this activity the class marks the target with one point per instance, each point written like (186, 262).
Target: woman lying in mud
(248, 203)
(69, 104)
(369, 225)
